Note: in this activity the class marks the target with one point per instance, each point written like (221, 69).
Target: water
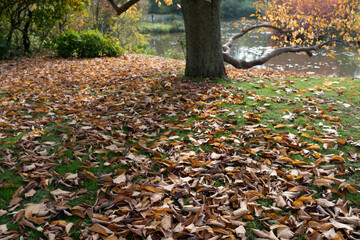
(255, 45)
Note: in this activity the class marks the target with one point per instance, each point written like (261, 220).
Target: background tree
(24, 20)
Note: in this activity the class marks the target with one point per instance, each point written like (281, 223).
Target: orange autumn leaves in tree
(312, 21)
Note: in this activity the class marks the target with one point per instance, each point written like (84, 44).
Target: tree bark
(124, 7)
(25, 33)
(204, 57)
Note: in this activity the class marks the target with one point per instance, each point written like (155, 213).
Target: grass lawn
(125, 148)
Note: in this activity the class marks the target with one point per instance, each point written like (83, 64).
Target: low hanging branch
(124, 7)
(242, 64)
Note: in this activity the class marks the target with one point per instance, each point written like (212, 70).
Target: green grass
(160, 28)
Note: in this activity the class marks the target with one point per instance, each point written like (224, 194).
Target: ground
(125, 148)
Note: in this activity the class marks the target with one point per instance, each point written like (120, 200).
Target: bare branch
(227, 46)
(124, 7)
(242, 64)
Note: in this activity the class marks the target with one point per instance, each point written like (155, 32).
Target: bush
(67, 44)
(91, 44)
(5, 47)
(88, 44)
(112, 47)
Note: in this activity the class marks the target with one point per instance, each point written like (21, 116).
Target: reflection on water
(255, 45)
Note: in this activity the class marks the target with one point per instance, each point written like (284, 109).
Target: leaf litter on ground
(125, 148)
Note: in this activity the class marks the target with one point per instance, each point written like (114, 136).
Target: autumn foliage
(309, 22)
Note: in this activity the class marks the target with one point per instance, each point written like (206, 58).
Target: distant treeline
(230, 9)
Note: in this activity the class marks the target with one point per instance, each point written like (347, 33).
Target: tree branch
(227, 46)
(242, 64)
(124, 7)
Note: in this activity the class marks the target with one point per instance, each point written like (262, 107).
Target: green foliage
(5, 47)
(236, 9)
(125, 28)
(67, 44)
(91, 44)
(88, 44)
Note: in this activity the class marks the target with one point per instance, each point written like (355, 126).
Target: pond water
(255, 45)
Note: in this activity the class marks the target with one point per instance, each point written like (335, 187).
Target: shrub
(88, 44)
(5, 47)
(91, 44)
(67, 44)
(112, 47)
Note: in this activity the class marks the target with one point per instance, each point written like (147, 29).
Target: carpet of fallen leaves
(160, 157)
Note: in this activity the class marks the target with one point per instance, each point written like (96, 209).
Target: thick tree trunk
(204, 57)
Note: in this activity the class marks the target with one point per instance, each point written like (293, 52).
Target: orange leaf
(341, 141)
(297, 204)
(337, 158)
(306, 135)
(322, 182)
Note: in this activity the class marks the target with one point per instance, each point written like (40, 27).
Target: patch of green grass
(264, 202)
(160, 28)
(6, 194)
(72, 167)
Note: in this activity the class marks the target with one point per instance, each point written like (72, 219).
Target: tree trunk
(25, 33)
(204, 57)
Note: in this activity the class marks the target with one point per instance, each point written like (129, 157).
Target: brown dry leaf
(120, 179)
(284, 233)
(30, 193)
(3, 229)
(111, 238)
(100, 229)
(265, 234)
(2, 212)
(166, 222)
(341, 225)
(36, 209)
(242, 210)
(324, 203)
(59, 192)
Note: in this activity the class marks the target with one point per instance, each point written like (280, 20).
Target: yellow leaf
(314, 147)
(306, 135)
(337, 158)
(297, 204)
(322, 182)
